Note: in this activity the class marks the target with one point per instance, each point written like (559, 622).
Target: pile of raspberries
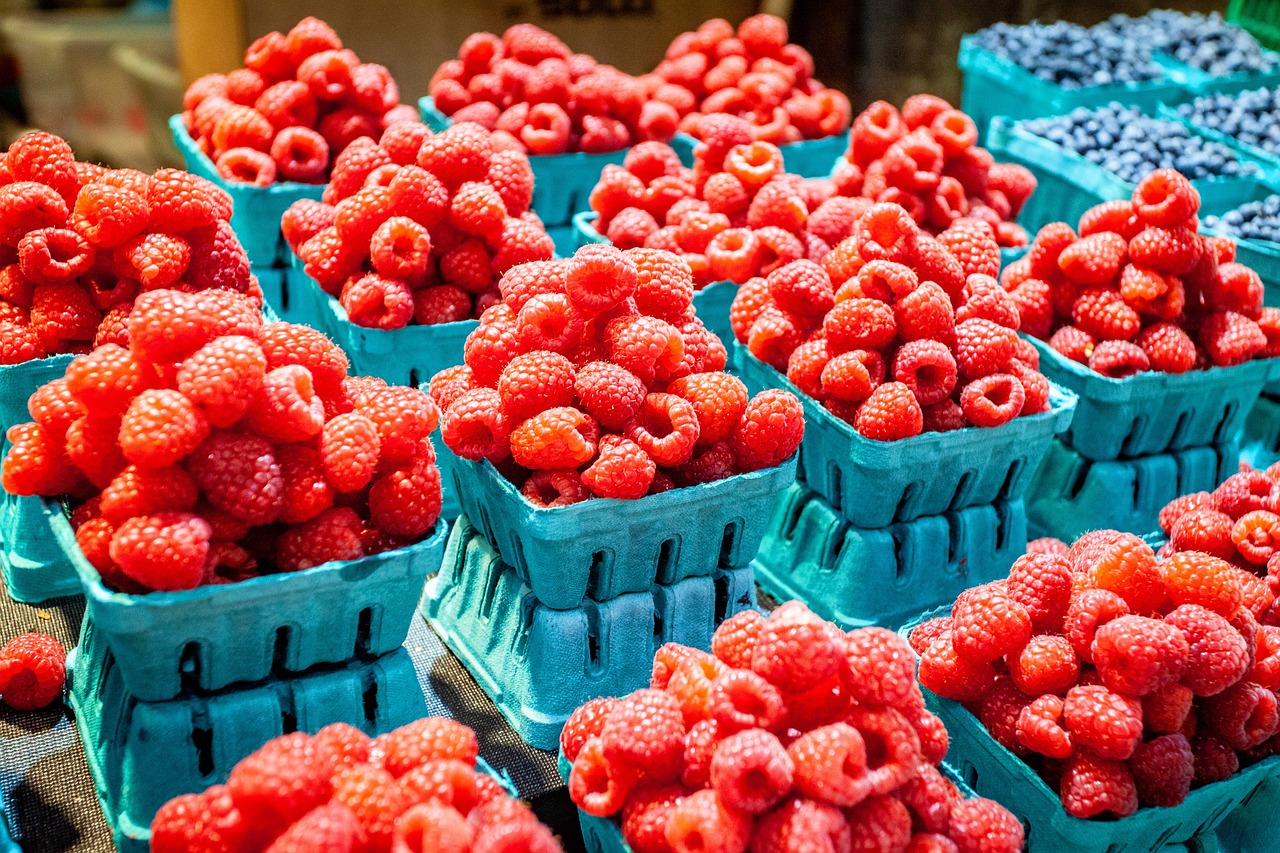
(594, 378)
(897, 332)
(1140, 289)
(1123, 678)
(735, 215)
(752, 73)
(546, 99)
(79, 242)
(299, 100)
(33, 668)
(418, 227)
(211, 447)
(412, 789)
(792, 735)
(1238, 522)
(926, 158)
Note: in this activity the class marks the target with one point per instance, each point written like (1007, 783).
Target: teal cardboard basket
(142, 754)
(1260, 446)
(711, 303)
(7, 844)
(996, 86)
(1155, 412)
(214, 636)
(561, 182)
(1072, 494)
(407, 356)
(808, 158)
(257, 211)
(995, 772)
(33, 565)
(875, 483)
(1259, 17)
(1250, 828)
(602, 548)
(291, 295)
(856, 577)
(1067, 184)
(538, 664)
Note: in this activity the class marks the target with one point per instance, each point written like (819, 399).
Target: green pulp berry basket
(256, 211)
(875, 483)
(211, 637)
(1259, 17)
(538, 664)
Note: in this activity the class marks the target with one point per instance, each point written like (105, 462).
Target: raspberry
(923, 635)
(1137, 656)
(1165, 198)
(1215, 760)
(1219, 655)
(43, 157)
(406, 501)
(155, 260)
(925, 314)
(1105, 722)
(27, 206)
(1046, 664)
(1094, 260)
(800, 822)
(1244, 715)
(54, 408)
(288, 407)
(238, 474)
(769, 432)
(1105, 315)
(791, 627)
(462, 153)
(473, 426)
(558, 438)
(33, 465)
(973, 244)
(180, 201)
(164, 551)
(32, 671)
(854, 324)
(1244, 492)
(983, 347)
(1193, 578)
(1256, 536)
(62, 313)
(979, 825)
(160, 427)
(890, 413)
(1089, 611)
(735, 639)
(1118, 359)
(586, 722)
(886, 232)
(987, 625)
(18, 343)
(107, 216)
(1093, 786)
(1230, 338)
(429, 739)
(1041, 583)
(645, 733)
(882, 667)
(93, 447)
(741, 699)
(984, 297)
(1162, 770)
(646, 346)
(145, 491)
(1166, 710)
(948, 674)
(328, 827)
(880, 823)
(374, 798)
(468, 265)
(349, 449)
(1168, 348)
(1039, 728)
(666, 428)
(1127, 566)
(664, 283)
(167, 325)
(718, 399)
(1031, 299)
(400, 249)
(208, 821)
(992, 400)
(751, 772)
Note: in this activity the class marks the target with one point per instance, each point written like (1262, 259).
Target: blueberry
(1256, 220)
(1250, 116)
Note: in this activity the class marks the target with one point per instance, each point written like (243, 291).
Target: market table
(45, 779)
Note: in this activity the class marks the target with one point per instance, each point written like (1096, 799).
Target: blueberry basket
(856, 577)
(996, 86)
(1155, 412)
(711, 303)
(602, 548)
(213, 636)
(1197, 82)
(995, 772)
(808, 158)
(1068, 184)
(34, 567)
(257, 211)
(538, 664)
(561, 182)
(875, 483)
(142, 754)
(1260, 17)
(1072, 494)
(1260, 446)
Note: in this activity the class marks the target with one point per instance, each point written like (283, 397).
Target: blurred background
(106, 76)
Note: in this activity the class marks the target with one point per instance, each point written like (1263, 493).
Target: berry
(557, 438)
(238, 474)
(1136, 655)
(1219, 654)
(1093, 786)
(750, 771)
(161, 427)
(987, 624)
(32, 671)
(208, 821)
(164, 551)
(891, 412)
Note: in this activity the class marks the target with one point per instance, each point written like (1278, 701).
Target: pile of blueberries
(1130, 145)
(1252, 117)
(1070, 55)
(1118, 50)
(1206, 42)
(1257, 220)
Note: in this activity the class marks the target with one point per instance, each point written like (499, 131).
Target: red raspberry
(93, 447)
(646, 346)
(1039, 728)
(377, 302)
(992, 400)
(165, 551)
(26, 206)
(328, 827)
(208, 821)
(1089, 611)
(874, 130)
(719, 399)
(1093, 786)
(890, 413)
(1256, 536)
(741, 699)
(167, 326)
(859, 324)
(599, 277)
(702, 816)
(1215, 760)
(987, 624)
(646, 814)
(286, 344)
(559, 438)
(1046, 664)
(984, 348)
(1175, 250)
(54, 408)
(1136, 655)
(880, 823)
(793, 626)
(1244, 715)
(32, 671)
(1195, 578)
(735, 639)
(428, 739)
(801, 288)
(374, 798)
(805, 366)
(645, 733)
(1165, 198)
(1168, 348)
(160, 427)
(1117, 216)
(631, 228)
(925, 314)
(1032, 300)
(769, 432)
(882, 667)
(1105, 722)
(288, 407)
(1095, 260)
(449, 782)
(1125, 565)
(923, 635)
(406, 501)
(1244, 492)
(281, 782)
(586, 722)
(799, 822)
(306, 493)
(979, 825)
(145, 491)
(180, 201)
(55, 255)
(984, 297)
(664, 284)
(1105, 315)
(948, 674)
(1230, 338)
(238, 474)
(62, 313)
(1118, 359)
(1166, 710)
(48, 159)
(462, 153)
(18, 344)
(1162, 770)
(1042, 584)
(1219, 654)
(107, 216)
(973, 243)
(887, 232)
(155, 260)
(349, 450)
(1076, 344)
(34, 466)
(534, 382)
(441, 304)
(473, 426)
(751, 772)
